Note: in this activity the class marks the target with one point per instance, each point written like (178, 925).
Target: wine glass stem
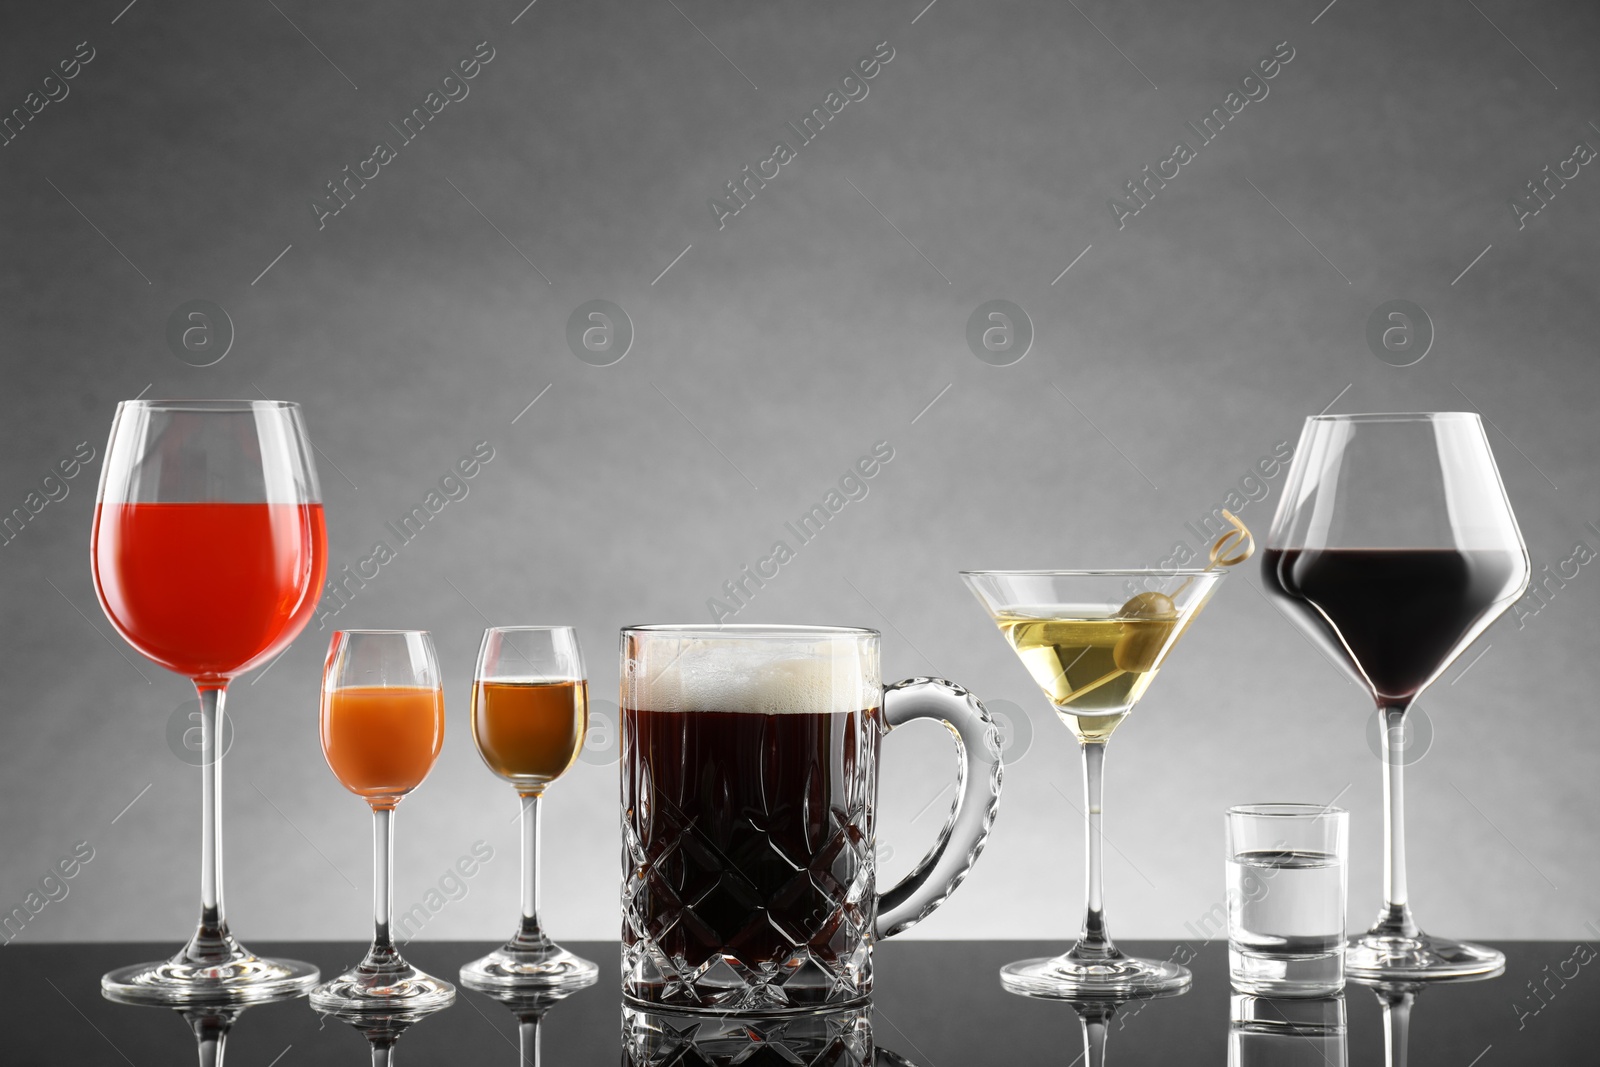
(1396, 919)
(382, 882)
(1094, 942)
(529, 932)
(210, 940)
(211, 1037)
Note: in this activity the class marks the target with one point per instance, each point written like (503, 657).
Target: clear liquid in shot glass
(1286, 922)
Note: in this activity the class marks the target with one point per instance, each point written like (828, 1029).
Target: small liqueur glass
(382, 726)
(530, 712)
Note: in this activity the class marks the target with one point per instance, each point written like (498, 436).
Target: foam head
(761, 670)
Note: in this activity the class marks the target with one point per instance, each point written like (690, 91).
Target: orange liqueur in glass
(529, 732)
(381, 740)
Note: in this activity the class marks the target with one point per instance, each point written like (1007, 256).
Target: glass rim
(1394, 416)
(215, 405)
(378, 633)
(1286, 810)
(558, 628)
(1103, 572)
(750, 630)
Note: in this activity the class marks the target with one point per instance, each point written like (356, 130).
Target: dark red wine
(1397, 616)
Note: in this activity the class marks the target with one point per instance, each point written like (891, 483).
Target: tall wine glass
(530, 711)
(208, 553)
(382, 726)
(1394, 546)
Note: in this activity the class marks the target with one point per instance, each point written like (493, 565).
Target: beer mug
(749, 789)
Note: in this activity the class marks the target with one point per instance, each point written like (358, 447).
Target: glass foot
(396, 988)
(236, 977)
(549, 967)
(1067, 977)
(1419, 958)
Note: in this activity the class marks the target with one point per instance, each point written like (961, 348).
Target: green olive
(1149, 606)
(1148, 619)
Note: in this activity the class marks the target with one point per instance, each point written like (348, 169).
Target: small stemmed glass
(530, 711)
(382, 728)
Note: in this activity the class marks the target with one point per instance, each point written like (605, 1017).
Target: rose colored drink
(158, 567)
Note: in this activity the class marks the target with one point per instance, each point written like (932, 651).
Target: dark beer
(751, 835)
(749, 781)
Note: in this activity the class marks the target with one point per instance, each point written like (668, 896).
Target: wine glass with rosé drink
(382, 726)
(208, 552)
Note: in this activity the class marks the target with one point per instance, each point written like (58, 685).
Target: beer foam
(760, 677)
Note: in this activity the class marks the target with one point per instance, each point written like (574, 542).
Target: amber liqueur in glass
(529, 732)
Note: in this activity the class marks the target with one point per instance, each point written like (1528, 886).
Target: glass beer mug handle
(936, 876)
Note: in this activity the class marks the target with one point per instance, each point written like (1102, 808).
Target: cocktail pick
(1140, 646)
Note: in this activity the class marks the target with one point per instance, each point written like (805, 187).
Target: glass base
(394, 989)
(1067, 977)
(239, 977)
(508, 968)
(1421, 958)
(835, 1038)
(1286, 975)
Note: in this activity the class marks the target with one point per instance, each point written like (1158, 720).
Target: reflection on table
(659, 1039)
(1096, 1013)
(383, 1029)
(939, 1004)
(210, 1023)
(1396, 999)
(1287, 1031)
(529, 1009)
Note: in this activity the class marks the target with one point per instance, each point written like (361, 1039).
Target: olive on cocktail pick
(1150, 618)
(1157, 606)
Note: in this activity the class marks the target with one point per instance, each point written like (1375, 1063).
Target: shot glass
(1286, 899)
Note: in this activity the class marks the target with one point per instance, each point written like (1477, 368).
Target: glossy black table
(937, 1004)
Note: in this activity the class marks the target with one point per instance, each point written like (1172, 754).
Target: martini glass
(1094, 641)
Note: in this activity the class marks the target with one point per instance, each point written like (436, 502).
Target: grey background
(1173, 356)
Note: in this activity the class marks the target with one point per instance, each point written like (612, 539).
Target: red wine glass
(1394, 547)
(208, 553)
